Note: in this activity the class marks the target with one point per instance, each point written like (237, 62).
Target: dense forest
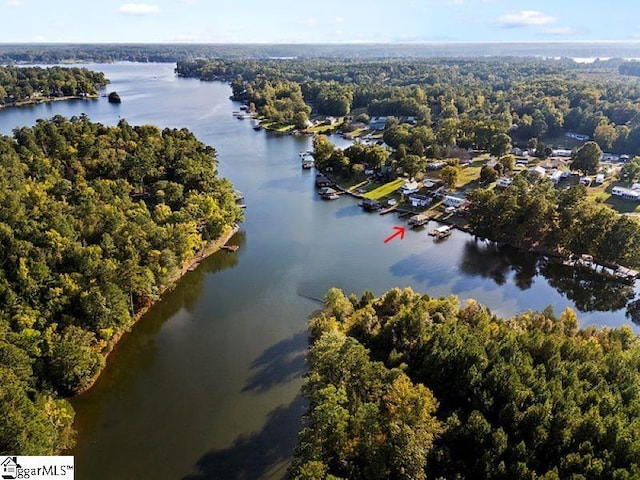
(94, 221)
(36, 83)
(471, 103)
(406, 386)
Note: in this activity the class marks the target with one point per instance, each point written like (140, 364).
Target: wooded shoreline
(39, 100)
(209, 249)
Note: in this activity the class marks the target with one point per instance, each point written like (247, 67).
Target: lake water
(207, 384)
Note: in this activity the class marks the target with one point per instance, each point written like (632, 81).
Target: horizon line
(350, 43)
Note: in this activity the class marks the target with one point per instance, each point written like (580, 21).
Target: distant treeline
(55, 53)
(468, 103)
(20, 84)
(94, 221)
(409, 387)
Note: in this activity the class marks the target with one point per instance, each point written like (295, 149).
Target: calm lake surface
(207, 384)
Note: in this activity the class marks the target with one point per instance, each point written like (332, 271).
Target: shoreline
(188, 265)
(37, 101)
(550, 252)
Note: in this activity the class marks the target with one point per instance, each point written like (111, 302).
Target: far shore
(210, 248)
(36, 101)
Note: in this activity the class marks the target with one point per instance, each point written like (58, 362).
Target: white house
(417, 200)
(561, 152)
(451, 201)
(409, 187)
(538, 170)
(556, 176)
(626, 193)
(599, 179)
(504, 182)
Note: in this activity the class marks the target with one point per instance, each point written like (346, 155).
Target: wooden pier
(389, 210)
(230, 248)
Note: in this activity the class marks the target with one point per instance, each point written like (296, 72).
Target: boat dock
(587, 262)
(389, 210)
(418, 220)
(230, 248)
(441, 232)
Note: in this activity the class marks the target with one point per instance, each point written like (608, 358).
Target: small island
(114, 98)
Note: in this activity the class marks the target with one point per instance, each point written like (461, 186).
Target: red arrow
(399, 231)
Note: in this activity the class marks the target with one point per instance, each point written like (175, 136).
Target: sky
(323, 21)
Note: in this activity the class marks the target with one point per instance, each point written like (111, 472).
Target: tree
(450, 175)
(508, 162)
(630, 170)
(488, 174)
(605, 135)
(322, 150)
(587, 158)
(412, 164)
(500, 144)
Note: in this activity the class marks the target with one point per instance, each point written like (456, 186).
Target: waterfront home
(419, 200)
(409, 187)
(451, 201)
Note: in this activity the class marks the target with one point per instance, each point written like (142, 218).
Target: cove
(207, 384)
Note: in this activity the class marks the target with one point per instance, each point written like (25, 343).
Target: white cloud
(339, 20)
(40, 39)
(138, 9)
(14, 3)
(525, 18)
(189, 2)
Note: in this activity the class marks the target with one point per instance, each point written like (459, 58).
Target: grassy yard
(322, 128)
(386, 189)
(276, 127)
(469, 175)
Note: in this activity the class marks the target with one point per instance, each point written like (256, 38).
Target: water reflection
(488, 260)
(190, 291)
(587, 290)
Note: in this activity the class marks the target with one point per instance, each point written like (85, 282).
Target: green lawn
(386, 189)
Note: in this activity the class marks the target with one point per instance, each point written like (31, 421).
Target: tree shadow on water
(279, 363)
(254, 456)
(349, 211)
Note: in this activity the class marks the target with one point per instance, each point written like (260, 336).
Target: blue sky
(300, 21)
